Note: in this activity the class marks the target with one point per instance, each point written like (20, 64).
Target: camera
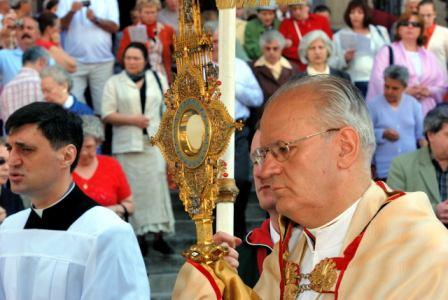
(86, 3)
(18, 23)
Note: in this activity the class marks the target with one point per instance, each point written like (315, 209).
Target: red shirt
(165, 36)
(288, 30)
(45, 44)
(108, 185)
(261, 237)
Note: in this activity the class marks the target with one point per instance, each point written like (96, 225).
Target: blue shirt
(10, 64)
(78, 107)
(407, 119)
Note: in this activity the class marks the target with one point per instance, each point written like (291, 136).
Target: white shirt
(416, 62)
(311, 71)
(69, 102)
(122, 95)
(275, 236)
(84, 40)
(329, 241)
(248, 92)
(438, 44)
(360, 67)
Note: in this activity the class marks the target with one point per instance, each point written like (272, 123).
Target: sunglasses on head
(407, 23)
(2, 161)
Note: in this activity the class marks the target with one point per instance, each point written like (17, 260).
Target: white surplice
(94, 259)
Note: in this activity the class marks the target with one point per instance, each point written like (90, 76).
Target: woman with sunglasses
(427, 78)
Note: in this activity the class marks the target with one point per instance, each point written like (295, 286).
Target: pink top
(434, 76)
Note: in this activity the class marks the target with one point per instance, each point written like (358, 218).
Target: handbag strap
(159, 83)
(391, 55)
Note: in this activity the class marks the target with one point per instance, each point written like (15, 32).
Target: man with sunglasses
(360, 239)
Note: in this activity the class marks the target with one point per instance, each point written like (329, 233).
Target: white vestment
(94, 259)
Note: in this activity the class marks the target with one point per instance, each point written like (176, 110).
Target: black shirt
(63, 214)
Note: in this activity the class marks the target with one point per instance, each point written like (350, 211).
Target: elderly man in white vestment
(360, 239)
(66, 246)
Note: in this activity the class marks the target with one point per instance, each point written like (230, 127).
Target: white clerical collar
(311, 71)
(40, 211)
(275, 236)
(69, 102)
(331, 234)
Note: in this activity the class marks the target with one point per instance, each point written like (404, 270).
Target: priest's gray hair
(340, 104)
(399, 73)
(310, 37)
(270, 36)
(93, 127)
(59, 75)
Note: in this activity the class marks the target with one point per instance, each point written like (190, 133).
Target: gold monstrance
(195, 131)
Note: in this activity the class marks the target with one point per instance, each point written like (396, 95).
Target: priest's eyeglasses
(281, 150)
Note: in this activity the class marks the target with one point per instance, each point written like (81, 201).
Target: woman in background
(358, 64)
(99, 176)
(133, 103)
(427, 78)
(315, 49)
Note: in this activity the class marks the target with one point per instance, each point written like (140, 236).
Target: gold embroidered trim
(322, 278)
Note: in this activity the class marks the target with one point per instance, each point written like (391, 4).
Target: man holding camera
(89, 26)
(24, 32)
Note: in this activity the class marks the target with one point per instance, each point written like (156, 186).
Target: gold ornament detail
(324, 275)
(292, 280)
(321, 279)
(226, 4)
(195, 131)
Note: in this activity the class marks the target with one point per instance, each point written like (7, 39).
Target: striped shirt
(22, 90)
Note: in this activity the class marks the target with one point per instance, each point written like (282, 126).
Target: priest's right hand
(225, 239)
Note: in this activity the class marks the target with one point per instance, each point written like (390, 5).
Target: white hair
(59, 75)
(309, 38)
(272, 35)
(340, 104)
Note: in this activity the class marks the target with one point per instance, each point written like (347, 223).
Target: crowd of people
(76, 54)
(65, 54)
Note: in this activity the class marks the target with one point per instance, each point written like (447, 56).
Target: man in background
(25, 87)
(426, 169)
